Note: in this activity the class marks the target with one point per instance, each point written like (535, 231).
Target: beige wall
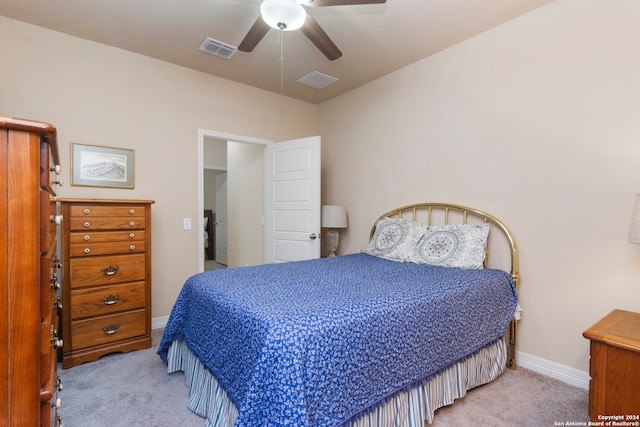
(246, 203)
(214, 153)
(104, 96)
(537, 122)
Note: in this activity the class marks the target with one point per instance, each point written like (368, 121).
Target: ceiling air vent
(218, 48)
(317, 80)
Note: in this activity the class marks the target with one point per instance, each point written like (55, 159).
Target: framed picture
(100, 166)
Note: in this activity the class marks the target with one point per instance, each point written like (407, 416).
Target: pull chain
(281, 37)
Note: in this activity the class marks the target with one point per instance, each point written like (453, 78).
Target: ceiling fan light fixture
(286, 15)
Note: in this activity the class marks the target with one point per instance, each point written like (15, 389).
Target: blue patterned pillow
(395, 239)
(459, 245)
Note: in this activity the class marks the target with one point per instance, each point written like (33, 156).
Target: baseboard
(551, 369)
(159, 322)
(566, 374)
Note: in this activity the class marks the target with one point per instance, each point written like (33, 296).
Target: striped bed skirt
(410, 408)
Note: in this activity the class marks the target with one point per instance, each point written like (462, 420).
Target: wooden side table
(615, 366)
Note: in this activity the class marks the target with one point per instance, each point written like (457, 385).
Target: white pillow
(395, 239)
(456, 245)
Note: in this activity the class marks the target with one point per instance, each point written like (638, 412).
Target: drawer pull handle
(87, 250)
(111, 299)
(59, 383)
(86, 211)
(53, 282)
(57, 219)
(55, 341)
(87, 237)
(132, 212)
(111, 329)
(131, 236)
(132, 224)
(87, 224)
(132, 248)
(57, 169)
(110, 270)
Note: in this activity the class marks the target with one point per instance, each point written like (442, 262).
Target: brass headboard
(425, 213)
(445, 213)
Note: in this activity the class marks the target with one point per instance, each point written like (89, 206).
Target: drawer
(49, 390)
(89, 249)
(106, 223)
(106, 236)
(49, 283)
(49, 171)
(48, 224)
(104, 300)
(54, 219)
(45, 162)
(90, 211)
(104, 270)
(48, 407)
(49, 344)
(107, 329)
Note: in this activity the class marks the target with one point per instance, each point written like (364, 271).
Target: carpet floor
(134, 389)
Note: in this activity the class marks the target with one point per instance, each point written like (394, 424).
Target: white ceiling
(374, 39)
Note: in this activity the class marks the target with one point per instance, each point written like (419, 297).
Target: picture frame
(102, 166)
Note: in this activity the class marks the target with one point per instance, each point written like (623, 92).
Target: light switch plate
(186, 223)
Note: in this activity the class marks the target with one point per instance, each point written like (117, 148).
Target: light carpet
(134, 389)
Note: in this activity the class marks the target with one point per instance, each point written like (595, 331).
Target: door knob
(313, 236)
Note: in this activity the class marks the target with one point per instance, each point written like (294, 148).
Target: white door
(221, 218)
(292, 200)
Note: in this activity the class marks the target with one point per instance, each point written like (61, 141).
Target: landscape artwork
(101, 166)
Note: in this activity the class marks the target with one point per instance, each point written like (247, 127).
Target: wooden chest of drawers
(29, 308)
(107, 277)
(615, 366)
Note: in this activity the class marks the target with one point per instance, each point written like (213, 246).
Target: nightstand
(615, 365)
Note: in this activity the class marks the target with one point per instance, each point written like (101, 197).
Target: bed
(383, 337)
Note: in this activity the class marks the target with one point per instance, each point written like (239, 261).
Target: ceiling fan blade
(255, 34)
(318, 37)
(323, 3)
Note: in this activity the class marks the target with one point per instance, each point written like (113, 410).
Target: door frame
(202, 134)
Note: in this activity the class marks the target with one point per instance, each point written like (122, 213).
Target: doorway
(240, 157)
(215, 214)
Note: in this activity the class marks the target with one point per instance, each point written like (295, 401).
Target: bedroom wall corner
(534, 121)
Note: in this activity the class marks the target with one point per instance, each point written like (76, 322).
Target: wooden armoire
(29, 305)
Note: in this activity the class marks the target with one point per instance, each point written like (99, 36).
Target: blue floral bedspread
(315, 343)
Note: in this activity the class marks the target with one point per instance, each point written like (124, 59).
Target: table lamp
(333, 217)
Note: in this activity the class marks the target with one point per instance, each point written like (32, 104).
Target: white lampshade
(634, 230)
(286, 15)
(334, 216)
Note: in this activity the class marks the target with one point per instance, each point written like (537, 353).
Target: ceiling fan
(288, 15)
